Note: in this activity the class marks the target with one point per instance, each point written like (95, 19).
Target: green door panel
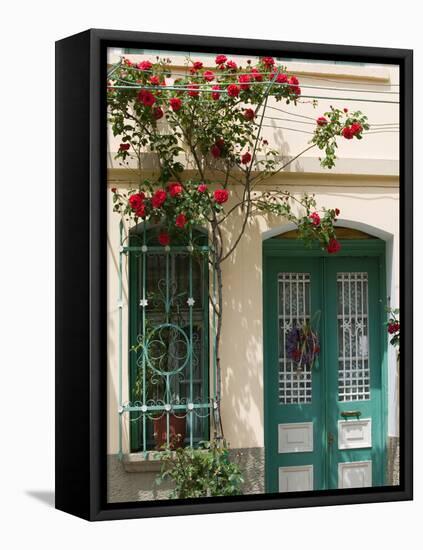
(347, 293)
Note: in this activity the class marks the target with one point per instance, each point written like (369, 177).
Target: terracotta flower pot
(177, 431)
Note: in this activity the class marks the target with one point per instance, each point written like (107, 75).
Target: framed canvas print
(234, 264)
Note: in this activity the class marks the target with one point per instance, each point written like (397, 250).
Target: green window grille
(168, 308)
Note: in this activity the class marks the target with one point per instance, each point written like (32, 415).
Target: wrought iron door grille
(353, 337)
(295, 386)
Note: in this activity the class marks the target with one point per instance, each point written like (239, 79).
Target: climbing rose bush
(213, 116)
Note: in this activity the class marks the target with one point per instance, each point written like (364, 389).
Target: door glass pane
(295, 385)
(353, 337)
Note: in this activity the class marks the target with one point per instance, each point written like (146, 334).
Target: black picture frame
(81, 274)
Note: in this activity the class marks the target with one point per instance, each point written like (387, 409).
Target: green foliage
(325, 136)
(204, 472)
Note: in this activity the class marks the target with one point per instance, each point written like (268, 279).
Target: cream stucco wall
(364, 186)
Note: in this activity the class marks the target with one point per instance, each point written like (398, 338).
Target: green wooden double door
(324, 424)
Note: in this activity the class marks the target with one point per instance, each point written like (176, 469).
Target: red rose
(221, 59)
(145, 65)
(180, 221)
(154, 80)
(249, 114)
(175, 103)
(124, 146)
(345, 110)
(268, 61)
(215, 151)
(220, 196)
(208, 75)
(233, 90)
(113, 190)
(158, 198)
(202, 188)
(146, 98)
(315, 218)
(347, 132)
(244, 80)
(164, 238)
(215, 94)
(197, 65)
(231, 65)
(337, 211)
(321, 121)
(136, 200)
(256, 75)
(333, 246)
(193, 90)
(158, 113)
(294, 88)
(281, 78)
(356, 128)
(140, 212)
(246, 158)
(175, 189)
(128, 63)
(393, 327)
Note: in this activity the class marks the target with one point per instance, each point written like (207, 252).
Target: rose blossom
(197, 65)
(215, 95)
(321, 121)
(113, 190)
(155, 80)
(244, 80)
(246, 158)
(221, 59)
(333, 246)
(393, 327)
(146, 98)
(193, 90)
(180, 221)
(268, 61)
(158, 113)
(208, 75)
(337, 211)
(231, 65)
(233, 90)
(145, 65)
(175, 103)
(347, 132)
(356, 128)
(124, 146)
(140, 212)
(202, 188)
(164, 238)
(136, 200)
(249, 114)
(256, 75)
(220, 196)
(175, 189)
(315, 218)
(158, 198)
(294, 88)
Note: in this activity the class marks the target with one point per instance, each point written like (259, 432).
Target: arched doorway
(325, 420)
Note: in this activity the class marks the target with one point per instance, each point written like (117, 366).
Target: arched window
(168, 337)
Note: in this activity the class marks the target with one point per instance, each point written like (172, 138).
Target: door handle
(351, 414)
